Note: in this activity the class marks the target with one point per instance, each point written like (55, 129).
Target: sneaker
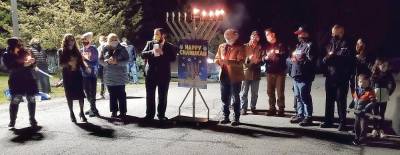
(375, 133)
(163, 119)
(271, 113)
(296, 119)
(253, 110)
(235, 123)
(356, 142)
(306, 122)
(11, 124)
(114, 115)
(326, 125)
(243, 112)
(33, 122)
(281, 113)
(122, 115)
(382, 134)
(341, 127)
(225, 121)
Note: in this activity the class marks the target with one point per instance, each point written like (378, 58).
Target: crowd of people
(344, 66)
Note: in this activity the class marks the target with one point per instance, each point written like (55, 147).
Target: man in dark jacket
(338, 63)
(159, 54)
(302, 70)
(275, 60)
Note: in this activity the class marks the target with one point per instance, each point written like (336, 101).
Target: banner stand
(193, 30)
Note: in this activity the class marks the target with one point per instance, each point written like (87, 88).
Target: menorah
(201, 26)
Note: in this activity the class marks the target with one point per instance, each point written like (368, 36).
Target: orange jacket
(231, 58)
(367, 96)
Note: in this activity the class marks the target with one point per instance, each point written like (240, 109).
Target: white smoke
(236, 16)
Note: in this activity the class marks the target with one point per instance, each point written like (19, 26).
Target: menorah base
(193, 118)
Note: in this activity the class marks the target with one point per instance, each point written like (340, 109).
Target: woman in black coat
(21, 82)
(72, 65)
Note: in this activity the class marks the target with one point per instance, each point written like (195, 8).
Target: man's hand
(86, 55)
(88, 70)
(112, 61)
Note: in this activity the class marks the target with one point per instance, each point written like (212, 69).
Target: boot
(32, 110)
(13, 114)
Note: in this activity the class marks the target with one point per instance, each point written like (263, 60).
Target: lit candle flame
(196, 11)
(204, 13)
(211, 13)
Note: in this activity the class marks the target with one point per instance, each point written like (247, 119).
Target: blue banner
(192, 63)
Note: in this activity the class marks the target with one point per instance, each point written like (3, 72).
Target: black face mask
(336, 37)
(85, 43)
(301, 39)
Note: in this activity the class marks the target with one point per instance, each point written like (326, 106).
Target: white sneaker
(375, 133)
(382, 134)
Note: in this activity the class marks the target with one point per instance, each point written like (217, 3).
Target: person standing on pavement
(90, 56)
(363, 65)
(114, 58)
(230, 57)
(131, 66)
(275, 59)
(21, 82)
(338, 63)
(103, 43)
(384, 85)
(302, 70)
(252, 73)
(72, 64)
(41, 62)
(159, 53)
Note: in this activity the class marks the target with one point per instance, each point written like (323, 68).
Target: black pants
(380, 110)
(14, 106)
(336, 93)
(90, 86)
(117, 98)
(100, 76)
(163, 87)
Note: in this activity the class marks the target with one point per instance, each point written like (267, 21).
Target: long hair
(14, 43)
(67, 53)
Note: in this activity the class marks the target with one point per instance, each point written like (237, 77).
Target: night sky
(378, 22)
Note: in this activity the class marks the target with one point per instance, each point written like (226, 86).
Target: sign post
(194, 34)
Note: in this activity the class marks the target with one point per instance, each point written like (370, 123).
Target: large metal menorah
(201, 25)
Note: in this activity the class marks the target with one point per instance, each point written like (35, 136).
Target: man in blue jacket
(302, 70)
(91, 59)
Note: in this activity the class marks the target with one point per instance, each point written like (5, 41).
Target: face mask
(85, 43)
(114, 44)
(383, 68)
(301, 39)
(336, 37)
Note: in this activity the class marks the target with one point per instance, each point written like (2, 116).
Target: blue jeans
(254, 84)
(231, 91)
(302, 92)
(132, 72)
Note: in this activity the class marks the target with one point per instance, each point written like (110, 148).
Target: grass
(55, 91)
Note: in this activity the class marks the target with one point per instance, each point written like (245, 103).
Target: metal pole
(14, 16)
(194, 103)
